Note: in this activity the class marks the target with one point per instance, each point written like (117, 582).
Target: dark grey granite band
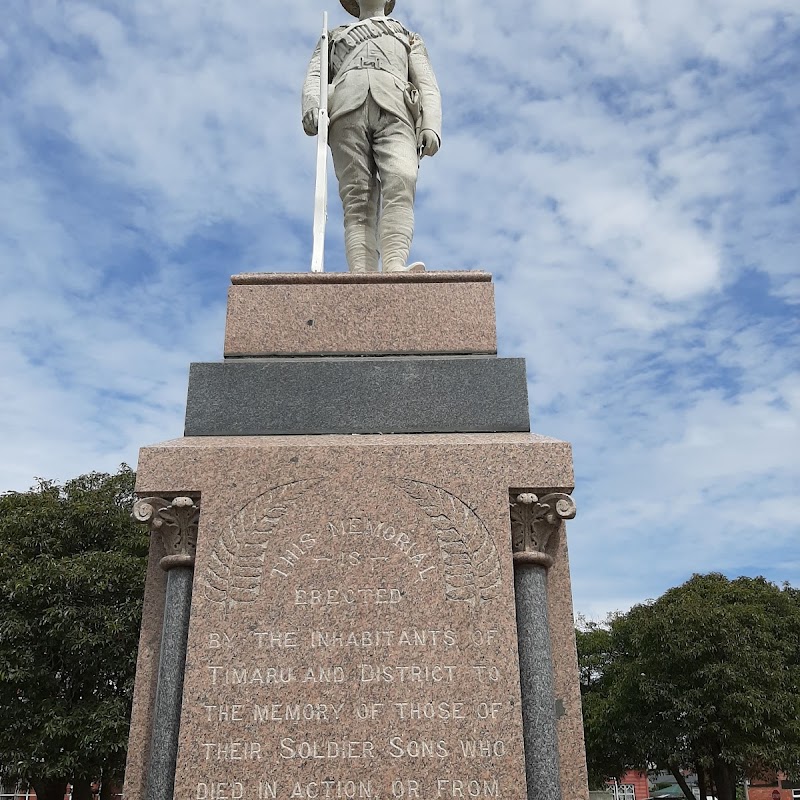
(477, 394)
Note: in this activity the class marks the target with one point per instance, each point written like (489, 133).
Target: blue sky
(627, 169)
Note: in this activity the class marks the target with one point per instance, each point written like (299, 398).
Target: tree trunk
(107, 790)
(678, 775)
(49, 790)
(725, 779)
(720, 782)
(701, 782)
(82, 790)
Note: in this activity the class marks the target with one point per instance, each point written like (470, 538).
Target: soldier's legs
(394, 149)
(353, 162)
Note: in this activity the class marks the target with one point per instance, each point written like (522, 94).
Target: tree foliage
(594, 662)
(707, 677)
(72, 568)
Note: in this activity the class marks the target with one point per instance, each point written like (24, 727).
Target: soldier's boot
(394, 251)
(397, 216)
(361, 248)
(361, 231)
(361, 203)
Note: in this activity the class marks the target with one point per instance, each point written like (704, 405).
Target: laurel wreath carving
(466, 547)
(236, 566)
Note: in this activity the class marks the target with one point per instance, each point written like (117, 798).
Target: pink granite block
(331, 278)
(353, 620)
(283, 314)
(571, 745)
(144, 694)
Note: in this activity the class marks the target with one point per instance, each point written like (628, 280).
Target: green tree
(707, 677)
(72, 569)
(603, 759)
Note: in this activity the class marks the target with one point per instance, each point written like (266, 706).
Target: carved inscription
(418, 555)
(371, 655)
(236, 566)
(467, 549)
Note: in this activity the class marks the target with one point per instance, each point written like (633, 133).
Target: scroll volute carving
(535, 520)
(175, 522)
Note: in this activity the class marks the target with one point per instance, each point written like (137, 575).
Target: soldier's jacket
(377, 56)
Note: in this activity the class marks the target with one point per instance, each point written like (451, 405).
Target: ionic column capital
(534, 521)
(175, 521)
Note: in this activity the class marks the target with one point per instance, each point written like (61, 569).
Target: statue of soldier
(385, 114)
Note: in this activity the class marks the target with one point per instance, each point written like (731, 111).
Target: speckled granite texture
(472, 394)
(278, 314)
(169, 687)
(334, 278)
(144, 691)
(536, 679)
(571, 744)
(349, 594)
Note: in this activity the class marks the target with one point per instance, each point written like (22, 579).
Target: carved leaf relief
(466, 547)
(236, 566)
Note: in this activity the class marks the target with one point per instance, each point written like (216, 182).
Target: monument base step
(474, 394)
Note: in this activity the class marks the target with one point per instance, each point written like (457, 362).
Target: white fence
(7, 793)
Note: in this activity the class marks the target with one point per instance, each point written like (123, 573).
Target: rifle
(321, 191)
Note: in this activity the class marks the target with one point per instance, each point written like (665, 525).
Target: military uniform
(382, 93)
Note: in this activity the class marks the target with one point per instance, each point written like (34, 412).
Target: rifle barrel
(321, 191)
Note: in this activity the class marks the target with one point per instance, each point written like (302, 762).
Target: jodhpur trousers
(375, 160)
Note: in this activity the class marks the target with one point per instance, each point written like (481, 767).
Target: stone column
(175, 522)
(534, 522)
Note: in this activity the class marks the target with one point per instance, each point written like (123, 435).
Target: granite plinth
(145, 688)
(353, 621)
(334, 278)
(344, 314)
(357, 395)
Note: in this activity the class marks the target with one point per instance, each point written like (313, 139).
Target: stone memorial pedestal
(359, 548)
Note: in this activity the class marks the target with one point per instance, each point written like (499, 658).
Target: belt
(372, 62)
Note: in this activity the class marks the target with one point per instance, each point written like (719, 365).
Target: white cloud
(627, 170)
